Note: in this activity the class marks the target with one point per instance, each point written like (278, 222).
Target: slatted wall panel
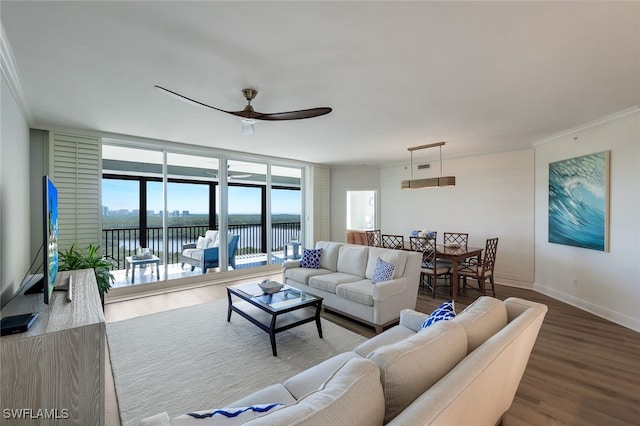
(75, 170)
(321, 203)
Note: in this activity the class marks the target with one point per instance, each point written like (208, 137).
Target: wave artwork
(578, 201)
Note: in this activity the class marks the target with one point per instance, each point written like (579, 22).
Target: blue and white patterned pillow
(311, 258)
(383, 272)
(226, 416)
(445, 311)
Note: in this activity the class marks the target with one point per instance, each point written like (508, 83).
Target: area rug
(191, 358)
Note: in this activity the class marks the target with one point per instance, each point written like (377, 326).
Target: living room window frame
(213, 223)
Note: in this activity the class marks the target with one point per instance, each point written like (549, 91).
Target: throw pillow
(226, 416)
(383, 272)
(445, 311)
(311, 258)
(202, 241)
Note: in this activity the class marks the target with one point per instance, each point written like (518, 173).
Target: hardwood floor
(584, 370)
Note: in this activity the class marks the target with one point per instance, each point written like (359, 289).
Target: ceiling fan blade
(293, 115)
(249, 113)
(189, 100)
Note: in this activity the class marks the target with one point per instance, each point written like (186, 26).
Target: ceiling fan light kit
(248, 113)
(434, 182)
(247, 126)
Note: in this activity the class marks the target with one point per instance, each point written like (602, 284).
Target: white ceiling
(484, 76)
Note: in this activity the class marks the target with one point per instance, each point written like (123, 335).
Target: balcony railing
(119, 243)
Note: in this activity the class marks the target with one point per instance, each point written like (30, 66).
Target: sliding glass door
(164, 200)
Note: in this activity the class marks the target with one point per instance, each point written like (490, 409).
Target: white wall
(603, 283)
(345, 179)
(493, 197)
(15, 235)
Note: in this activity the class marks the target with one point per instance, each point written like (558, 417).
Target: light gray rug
(192, 359)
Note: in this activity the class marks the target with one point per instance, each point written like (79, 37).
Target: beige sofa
(344, 281)
(463, 371)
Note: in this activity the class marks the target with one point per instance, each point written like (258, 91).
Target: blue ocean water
(577, 205)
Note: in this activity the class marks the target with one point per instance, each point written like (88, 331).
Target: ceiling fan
(249, 115)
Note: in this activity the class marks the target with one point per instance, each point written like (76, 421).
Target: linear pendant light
(428, 182)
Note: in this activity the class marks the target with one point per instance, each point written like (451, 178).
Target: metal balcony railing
(118, 243)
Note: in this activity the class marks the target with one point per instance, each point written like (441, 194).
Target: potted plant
(73, 259)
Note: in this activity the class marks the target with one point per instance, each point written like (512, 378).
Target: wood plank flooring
(584, 370)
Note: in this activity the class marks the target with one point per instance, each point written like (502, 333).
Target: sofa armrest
(290, 264)
(412, 319)
(388, 289)
(188, 246)
(210, 254)
(160, 419)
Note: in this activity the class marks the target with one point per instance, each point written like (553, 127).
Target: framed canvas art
(579, 201)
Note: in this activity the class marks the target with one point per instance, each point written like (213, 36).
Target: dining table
(455, 254)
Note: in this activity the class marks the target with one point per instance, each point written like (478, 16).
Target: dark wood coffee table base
(271, 320)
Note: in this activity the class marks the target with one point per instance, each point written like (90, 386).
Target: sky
(122, 194)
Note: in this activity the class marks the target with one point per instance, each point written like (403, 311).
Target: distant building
(185, 212)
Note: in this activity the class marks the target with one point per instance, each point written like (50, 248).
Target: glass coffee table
(276, 312)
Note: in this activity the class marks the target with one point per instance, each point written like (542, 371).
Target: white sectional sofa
(344, 281)
(464, 371)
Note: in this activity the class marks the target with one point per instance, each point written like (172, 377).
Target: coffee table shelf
(276, 312)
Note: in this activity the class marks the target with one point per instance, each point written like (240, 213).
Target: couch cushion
(352, 259)
(211, 236)
(358, 291)
(313, 378)
(329, 258)
(351, 396)
(397, 257)
(482, 319)
(202, 243)
(445, 311)
(227, 416)
(302, 275)
(160, 419)
(193, 253)
(384, 271)
(329, 282)
(272, 393)
(387, 337)
(411, 366)
(311, 258)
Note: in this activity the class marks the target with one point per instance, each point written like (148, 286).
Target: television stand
(59, 363)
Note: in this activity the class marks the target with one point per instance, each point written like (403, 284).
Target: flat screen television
(49, 240)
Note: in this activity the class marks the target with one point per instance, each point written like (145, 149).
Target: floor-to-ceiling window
(286, 209)
(171, 199)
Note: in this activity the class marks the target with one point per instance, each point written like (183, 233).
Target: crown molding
(589, 125)
(10, 73)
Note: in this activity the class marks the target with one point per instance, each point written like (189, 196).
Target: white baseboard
(618, 318)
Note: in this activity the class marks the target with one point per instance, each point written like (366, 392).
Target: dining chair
(430, 269)
(481, 269)
(374, 238)
(460, 238)
(395, 242)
